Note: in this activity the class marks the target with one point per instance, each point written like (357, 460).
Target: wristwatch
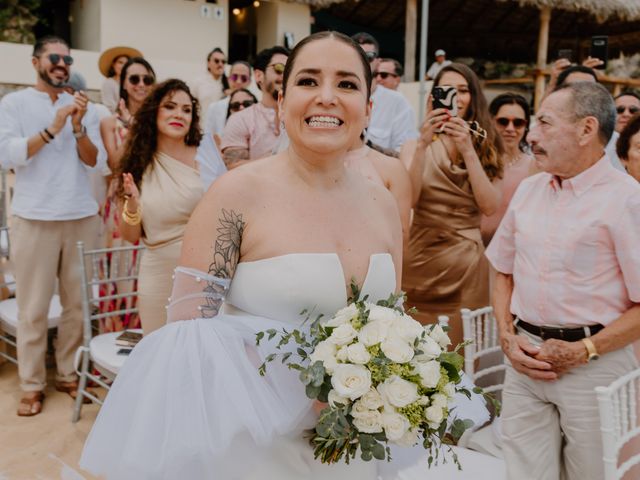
(592, 353)
(81, 134)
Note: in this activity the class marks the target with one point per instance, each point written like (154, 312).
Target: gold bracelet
(129, 218)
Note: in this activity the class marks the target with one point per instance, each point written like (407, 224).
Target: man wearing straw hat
(110, 64)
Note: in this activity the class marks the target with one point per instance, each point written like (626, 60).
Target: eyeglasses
(56, 57)
(517, 122)
(146, 79)
(235, 106)
(219, 60)
(632, 110)
(236, 77)
(277, 67)
(385, 75)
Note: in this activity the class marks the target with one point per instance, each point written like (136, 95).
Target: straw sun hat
(108, 56)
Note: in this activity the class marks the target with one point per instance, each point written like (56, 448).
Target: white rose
(343, 334)
(450, 389)
(407, 328)
(434, 415)
(395, 425)
(440, 336)
(358, 354)
(342, 355)
(373, 333)
(371, 400)
(430, 349)
(396, 349)
(326, 353)
(439, 400)
(424, 401)
(351, 381)
(382, 314)
(369, 422)
(334, 398)
(398, 392)
(343, 315)
(409, 439)
(429, 373)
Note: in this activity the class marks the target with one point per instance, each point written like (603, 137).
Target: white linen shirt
(392, 120)
(54, 184)
(216, 116)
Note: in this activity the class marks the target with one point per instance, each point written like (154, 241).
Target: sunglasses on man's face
(146, 79)
(235, 106)
(632, 110)
(55, 58)
(371, 56)
(385, 75)
(517, 122)
(238, 77)
(277, 67)
(220, 61)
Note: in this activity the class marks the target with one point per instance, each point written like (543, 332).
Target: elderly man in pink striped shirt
(567, 293)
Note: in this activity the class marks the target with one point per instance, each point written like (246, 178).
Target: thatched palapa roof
(602, 9)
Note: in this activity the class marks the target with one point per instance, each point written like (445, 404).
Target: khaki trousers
(551, 430)
(41, 252)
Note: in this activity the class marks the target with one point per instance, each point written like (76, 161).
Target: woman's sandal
(31, 405)
(71, 388)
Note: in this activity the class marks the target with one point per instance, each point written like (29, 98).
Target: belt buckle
(561, 333)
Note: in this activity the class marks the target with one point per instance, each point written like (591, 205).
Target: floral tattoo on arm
(226, 255)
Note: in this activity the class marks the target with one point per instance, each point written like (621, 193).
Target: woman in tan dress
(160, 188)
(453, 175)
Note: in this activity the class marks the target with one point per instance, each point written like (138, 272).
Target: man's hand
(592, 62)
(80, 101)
(523, 357)
(563, 356)
(61, 117)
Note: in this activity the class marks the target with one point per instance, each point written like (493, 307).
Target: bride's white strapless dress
(189, 402)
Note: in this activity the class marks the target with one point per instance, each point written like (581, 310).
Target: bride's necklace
(511, 161)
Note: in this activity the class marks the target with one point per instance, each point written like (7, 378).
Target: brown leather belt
(567, 334)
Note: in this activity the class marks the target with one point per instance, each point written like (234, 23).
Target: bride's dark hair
(368, 77)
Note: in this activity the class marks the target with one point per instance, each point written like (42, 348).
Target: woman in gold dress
(160, 188)
(453, 177)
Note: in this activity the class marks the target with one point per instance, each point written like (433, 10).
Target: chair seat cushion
(104, 351)
(9, 313)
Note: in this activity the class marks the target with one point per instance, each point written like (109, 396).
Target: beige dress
(444, 268)
(170, 191)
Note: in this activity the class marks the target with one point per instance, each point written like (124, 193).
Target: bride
(281, 234)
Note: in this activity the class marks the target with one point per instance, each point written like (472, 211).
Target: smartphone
(600, 49)
(124, 351)
(565, 53)
(446, 97)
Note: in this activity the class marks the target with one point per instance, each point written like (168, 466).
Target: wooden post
(543, 44)
(410, 31)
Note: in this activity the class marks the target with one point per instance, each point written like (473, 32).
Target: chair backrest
(619, 405)
(109, 284)
(483, 357)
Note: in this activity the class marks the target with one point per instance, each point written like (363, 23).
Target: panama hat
(108, 56)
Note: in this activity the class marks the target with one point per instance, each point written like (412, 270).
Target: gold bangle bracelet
(129, 218)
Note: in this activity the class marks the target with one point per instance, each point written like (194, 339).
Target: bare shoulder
(377, 194)
(390, 168)
(108, 122)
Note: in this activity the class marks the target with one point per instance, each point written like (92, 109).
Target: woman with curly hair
(161, 184)
(454, 167)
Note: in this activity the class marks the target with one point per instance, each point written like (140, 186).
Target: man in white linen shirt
(47, 137)
(392, 120)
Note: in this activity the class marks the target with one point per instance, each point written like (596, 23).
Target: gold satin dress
(444, 267)
(169, 194)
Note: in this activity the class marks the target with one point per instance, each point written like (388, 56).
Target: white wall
(267, 26)
(85, 24)
(276, 18)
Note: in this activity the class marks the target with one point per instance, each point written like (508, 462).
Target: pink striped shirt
(573, 248)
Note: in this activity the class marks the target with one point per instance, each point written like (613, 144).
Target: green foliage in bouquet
(386, 379)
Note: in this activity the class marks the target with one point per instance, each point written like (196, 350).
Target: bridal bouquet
(386, 379)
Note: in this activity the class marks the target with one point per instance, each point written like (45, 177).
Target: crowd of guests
(135, 171)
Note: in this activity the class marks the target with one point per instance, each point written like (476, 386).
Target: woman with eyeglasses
(111, 63)
(511, 115)
(454, 169)
(218, 112)
(239, 100)
(627, 105)
(136, 82)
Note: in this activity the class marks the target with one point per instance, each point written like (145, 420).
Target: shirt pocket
(589, 252)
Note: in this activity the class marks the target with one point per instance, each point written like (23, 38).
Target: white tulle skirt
(189, 404)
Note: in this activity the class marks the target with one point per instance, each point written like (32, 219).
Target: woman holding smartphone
(453, 170)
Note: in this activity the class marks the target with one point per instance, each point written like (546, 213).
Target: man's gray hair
(590, 99)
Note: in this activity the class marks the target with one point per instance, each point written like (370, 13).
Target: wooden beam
(410, 33)
(541, 63)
